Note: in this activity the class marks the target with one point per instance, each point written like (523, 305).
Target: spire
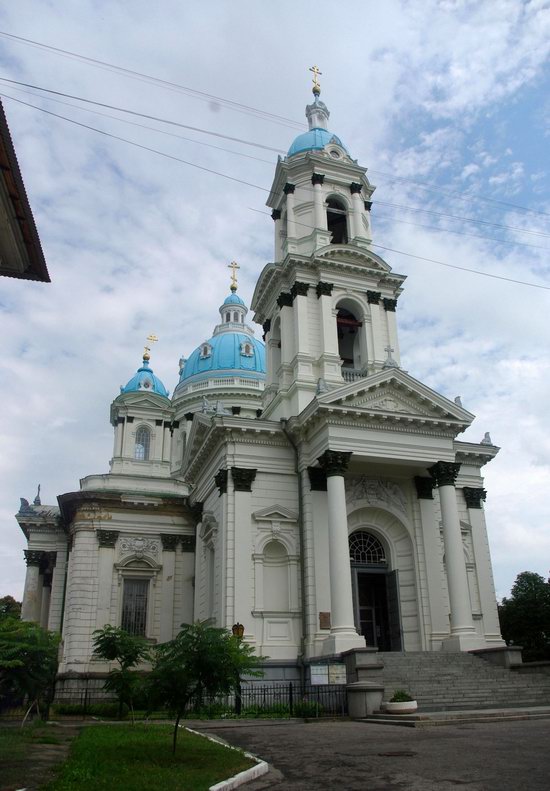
(316, 90)
(317, 114)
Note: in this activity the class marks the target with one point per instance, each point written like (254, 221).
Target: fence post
(238, 698)
(290, 699)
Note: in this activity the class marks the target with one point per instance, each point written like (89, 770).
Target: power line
(143, 115)
(140, 126)
(256, 186)
(432, 260)
(139, 145)
(459, 195)
(202, 95)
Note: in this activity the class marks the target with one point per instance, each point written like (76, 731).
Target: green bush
(107, 710)
(307, 708)
(400, 696)
(266, 712)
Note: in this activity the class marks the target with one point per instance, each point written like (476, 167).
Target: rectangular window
(134, 606)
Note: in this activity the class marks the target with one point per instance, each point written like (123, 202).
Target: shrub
(400, 696)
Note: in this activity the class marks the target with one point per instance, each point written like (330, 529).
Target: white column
(105, 564)
(58, 589)
(290, 220)
(167, 441)
(169, 545)
(390, 306)
(463, 634)
(276, 215)
(119, 432)
(343, 634)
(45, 603)
(242, 498)
(438, 625)
(30, 610)
(301, 340)
(484, 571)
(319, 214)
(357, 216)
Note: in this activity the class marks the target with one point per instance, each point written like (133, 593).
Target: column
(482, 557)
(107, 541)
(288, 189)
(357, 215)
(299, 299)
(329, 363)
(463, 634)
(119, 433)
(390, 306)
(169, 545)
(319, 214)
(343, 634)
(45, 603)
(166, 440)
(242, 498)
(285, 300)
(438, 626)
(377, 355)
(276, 217)
(58, 588)
(30, 610)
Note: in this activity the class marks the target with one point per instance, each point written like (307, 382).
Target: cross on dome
(316, 87)
(152, 339)
(233, 266)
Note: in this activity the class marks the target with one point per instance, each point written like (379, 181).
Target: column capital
(374, 297)
(368, 205)
(107, 538)
(289, 188)
(169, 541)
(266, 326)
(276, 214)
(390, 304)
(444, 473)
(424, 488)
(243, 478)
(188, 543)
(33, 557)
(355, 187)
(284, 300)
(317, 479)
(189, 416)
(324, 289)
(220, 479)
(299, 289)
(474, 496)
(317, 178)
(334, 462)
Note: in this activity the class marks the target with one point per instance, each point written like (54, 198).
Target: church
(306, 488)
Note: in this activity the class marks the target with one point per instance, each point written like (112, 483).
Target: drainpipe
(302, 544)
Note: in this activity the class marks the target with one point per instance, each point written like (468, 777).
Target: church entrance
(375, 593)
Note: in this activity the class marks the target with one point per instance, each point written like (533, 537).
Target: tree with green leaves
(10, 607)
(117, 645)
(200, 660)
(28, 663)
(525, 616)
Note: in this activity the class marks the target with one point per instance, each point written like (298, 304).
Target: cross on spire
(233, 266)
(152, 339)
(316, 87)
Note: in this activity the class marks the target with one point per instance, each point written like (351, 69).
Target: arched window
(337, 221)
(348, 338)
(246, 349)
(235, 316)
(227, 317)
(206, 351)
(366, 549)
(276, 579)
(143, 444)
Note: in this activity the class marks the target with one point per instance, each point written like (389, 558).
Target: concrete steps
(458, 681)
(459, 717)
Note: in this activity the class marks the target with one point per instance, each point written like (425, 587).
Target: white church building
(308, 488)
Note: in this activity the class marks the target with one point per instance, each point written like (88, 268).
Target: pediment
(353, 255)
(143, 400)
(275, 513)
(395, 394)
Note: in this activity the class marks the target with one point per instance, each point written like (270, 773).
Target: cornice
(474, 454)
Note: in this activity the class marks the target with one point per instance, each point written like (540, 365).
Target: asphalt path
(351, 755)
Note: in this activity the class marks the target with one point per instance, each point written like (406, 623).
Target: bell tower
(328, 302)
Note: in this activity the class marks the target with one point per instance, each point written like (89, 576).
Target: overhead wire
(264, 189)
(132, 73)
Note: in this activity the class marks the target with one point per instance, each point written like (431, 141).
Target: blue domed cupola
(144, 380)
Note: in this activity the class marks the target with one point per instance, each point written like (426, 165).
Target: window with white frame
(366, 549)
(143, 444)
(134, 606)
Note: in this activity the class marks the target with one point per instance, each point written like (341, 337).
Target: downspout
(302, 545)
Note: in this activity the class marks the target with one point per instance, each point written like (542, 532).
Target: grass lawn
(139, 758)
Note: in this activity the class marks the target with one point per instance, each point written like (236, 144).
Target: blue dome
(314, 140)
(145, 381)
(225, 353)
(233, 299)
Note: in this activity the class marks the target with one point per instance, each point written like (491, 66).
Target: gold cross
(233, 266)
(316, 72)
(152, 339)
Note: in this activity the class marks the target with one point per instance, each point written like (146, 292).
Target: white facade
(325, 506)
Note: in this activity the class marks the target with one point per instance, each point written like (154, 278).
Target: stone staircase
(459, 681)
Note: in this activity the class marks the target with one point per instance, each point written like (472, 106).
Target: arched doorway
(375, 592)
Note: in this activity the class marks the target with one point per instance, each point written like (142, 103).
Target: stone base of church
(338, 642)
(463, 642)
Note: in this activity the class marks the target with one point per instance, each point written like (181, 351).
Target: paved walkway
(350, 755)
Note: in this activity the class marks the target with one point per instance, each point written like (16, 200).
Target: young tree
(9, 607)
(202, 659)
(117, 645)
(28, 663)
(525, 616)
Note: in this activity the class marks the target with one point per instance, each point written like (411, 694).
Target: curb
(237, 780)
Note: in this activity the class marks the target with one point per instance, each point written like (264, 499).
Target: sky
(445, 102)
